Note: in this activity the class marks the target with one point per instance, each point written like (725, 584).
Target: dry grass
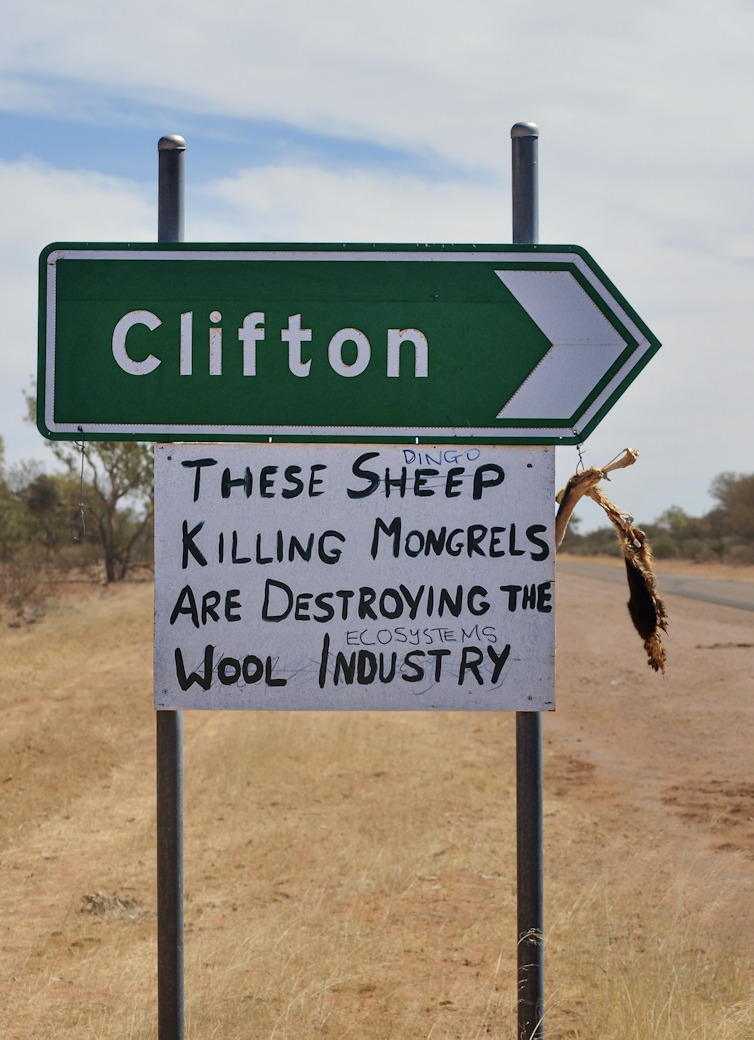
(644, 954)
(347, 875)
(361, 851)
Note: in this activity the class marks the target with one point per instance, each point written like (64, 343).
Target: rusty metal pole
(170, 1003)
(524, 147)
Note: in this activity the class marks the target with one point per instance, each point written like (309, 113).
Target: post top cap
(171, 143)
(524, 130)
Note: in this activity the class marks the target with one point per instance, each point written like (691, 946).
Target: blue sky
(354, 121)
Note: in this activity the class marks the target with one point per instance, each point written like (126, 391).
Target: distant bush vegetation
(42, 533)
(43, 538)
(725, 534)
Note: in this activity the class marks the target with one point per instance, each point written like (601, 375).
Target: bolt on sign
(350, 576)
(516, 344)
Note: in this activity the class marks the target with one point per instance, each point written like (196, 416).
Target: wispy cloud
(348, 121)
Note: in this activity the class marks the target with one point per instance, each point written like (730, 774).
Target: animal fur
(647, 610)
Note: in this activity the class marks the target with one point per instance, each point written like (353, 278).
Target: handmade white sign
(318, 576)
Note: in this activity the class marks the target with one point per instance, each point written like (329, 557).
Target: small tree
(13, 521)
(42, 498)
(735, 514)
(118, 492)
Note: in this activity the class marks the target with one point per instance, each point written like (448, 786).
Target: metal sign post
(388, 541)
(171, 151)
(530, 938)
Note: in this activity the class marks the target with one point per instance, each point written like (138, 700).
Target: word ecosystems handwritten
(299, 576)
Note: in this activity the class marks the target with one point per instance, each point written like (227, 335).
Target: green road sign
(182, 341)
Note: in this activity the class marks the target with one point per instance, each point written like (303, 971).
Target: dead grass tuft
(100, 904)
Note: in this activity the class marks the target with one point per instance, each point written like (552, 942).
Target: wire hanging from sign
(79, 524)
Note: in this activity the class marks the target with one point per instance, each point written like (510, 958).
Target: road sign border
(572, 432)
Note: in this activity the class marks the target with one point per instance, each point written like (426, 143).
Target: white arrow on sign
(584, 344)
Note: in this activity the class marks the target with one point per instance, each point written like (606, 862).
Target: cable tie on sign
(80, 522)
(581, 457)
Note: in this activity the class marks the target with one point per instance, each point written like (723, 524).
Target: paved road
(727, 593)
